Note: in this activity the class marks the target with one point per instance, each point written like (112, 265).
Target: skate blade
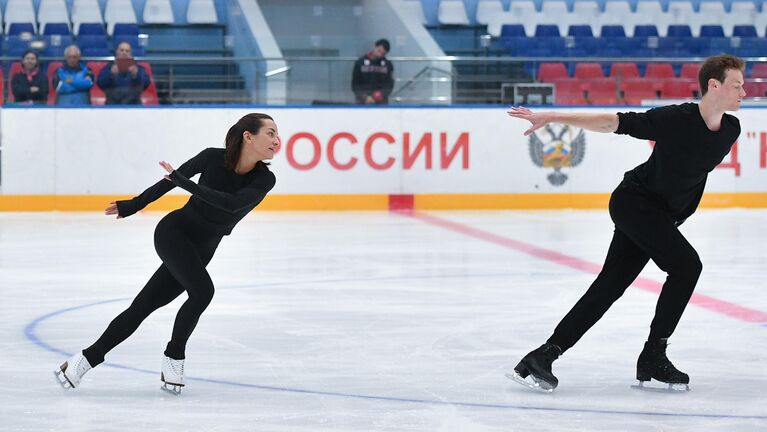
(62, 380)
(535, 383)
(672, 388)
(173, 389)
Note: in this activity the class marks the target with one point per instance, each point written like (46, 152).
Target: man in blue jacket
(124, 80)
(74, 80)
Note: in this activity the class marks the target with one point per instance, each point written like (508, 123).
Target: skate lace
(177, 366)
(81, 367)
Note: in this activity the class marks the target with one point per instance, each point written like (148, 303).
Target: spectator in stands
(372, 76)
(123, 81)
(74, 80)
(30, 86)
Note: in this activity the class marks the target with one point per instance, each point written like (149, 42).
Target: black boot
(538, 364)
(654, 364)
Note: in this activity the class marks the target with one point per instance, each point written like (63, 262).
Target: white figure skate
(172, 375)
(71, 371)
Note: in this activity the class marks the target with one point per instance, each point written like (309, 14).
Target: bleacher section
(606, 29)
(158, 31)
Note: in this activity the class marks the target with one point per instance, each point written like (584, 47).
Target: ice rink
(377, 322)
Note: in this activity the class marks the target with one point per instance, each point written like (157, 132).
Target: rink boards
(346, 158)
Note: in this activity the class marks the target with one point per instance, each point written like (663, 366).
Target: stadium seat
(755, 89)
(659, 71)
(52, 11)
(452, 12)
(588, 71)
(547, 30)
(759, 70)
(569, 92)
(711, 31)
(617, 12)
(487, 9)
(19, 28)
(512, 30)
(678, 89)
(690, 71)
(19, 11)
(118, 11)
(53, 28)
(585, 12)
(2, 87)
(651, 11)
(612, 31)
(627, 70)
(93, 45)
(125, 29)
(158, 12)
(555, 12)
(98, 97)
(55, 45)
(646, 30)
(681, 12)
(411, 8)
(744, 31)
(149, 96)
(15, 68)
(550, 72)
(634, 91)
(522, 12)
(204, 12)
(52, 66)
(580, 30)
(85, 11)
(16, 46)
(92, 29)
(601, 92)
(679, 31)
(741, 13)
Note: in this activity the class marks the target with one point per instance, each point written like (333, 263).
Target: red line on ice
(707, 302)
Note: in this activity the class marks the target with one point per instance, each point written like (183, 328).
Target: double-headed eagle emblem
(561, 151)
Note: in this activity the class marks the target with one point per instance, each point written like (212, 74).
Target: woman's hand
(538, 120)
(112, 210)
(167, 167)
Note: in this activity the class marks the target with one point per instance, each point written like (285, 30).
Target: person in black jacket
(30, 86)
(647, 208)
(372, 80)
(233, 181)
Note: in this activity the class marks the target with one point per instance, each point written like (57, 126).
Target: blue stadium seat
(580, 31)
(16, 46)
(645, 31)
(744, 31)
(613, 31)
(711, 31)
(56, 29)
(55, 45)
(18, 28)
(546, 30)
(679, 30)
(125, 30)
(512, 30)
(92, 29)
(93, 45)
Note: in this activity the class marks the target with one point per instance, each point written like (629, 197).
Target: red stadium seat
(15, 68)
(550, 72)
(690, 71)
(755, 89)
(98, 97)
(627, 70)
(637, 90)
(759, 70)
(569, 92)
(149, 96)
(52, 66)
(659, 71)
(588, 71)
(601, 92)
(678, 89)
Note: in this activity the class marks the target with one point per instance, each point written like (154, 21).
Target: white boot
(72, 371)
(172, 375)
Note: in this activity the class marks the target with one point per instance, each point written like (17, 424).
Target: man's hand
(538, 120)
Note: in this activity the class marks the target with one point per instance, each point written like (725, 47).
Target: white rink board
(115, 151)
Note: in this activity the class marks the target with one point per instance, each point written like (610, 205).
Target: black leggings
(185, 247)
(643, 231)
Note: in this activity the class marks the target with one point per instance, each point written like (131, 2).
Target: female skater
(233, 181)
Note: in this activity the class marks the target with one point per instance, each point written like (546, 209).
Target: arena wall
(347, 158)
